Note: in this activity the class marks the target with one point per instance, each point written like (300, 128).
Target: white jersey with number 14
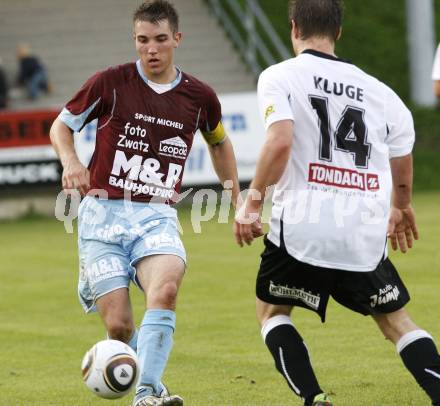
(332, 202)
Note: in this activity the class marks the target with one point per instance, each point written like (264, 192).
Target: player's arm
(437, 88)
(436, 73)
(270, 167)
(402, 228)
(274, 101)
(75, 175)
(95, 99)
(223, 158)
(273, 159)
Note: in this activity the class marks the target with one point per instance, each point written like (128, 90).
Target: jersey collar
(324, 55)
(173, 84)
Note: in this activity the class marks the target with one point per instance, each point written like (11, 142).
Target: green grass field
(218, 358)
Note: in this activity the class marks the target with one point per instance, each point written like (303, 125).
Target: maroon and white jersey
(143, 136)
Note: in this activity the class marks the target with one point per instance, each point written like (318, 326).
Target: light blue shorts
(113, 235)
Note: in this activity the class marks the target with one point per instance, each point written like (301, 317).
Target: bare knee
(266, 311)
(164, 297)
(121, 330)
(115, 311)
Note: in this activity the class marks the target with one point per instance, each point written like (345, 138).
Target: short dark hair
(321, 18)
(154, 11)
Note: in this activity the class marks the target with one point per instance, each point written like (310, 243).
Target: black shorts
(283, 280)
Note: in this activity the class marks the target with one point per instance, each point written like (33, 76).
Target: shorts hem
(321, 313)
(136, 260)
(386, 311)
(92, 308)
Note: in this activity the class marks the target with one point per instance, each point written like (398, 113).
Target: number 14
(350, 135)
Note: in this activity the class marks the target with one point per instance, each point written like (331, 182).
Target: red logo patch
(341, 177)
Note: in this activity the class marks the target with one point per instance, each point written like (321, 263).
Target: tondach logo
(173, 147)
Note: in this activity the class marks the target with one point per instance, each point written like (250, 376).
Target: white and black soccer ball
(110, 369)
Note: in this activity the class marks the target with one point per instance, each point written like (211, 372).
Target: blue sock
(155, 341)
(134, 340)
(133, 344)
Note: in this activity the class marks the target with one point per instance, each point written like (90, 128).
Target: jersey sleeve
(436, 65)
(212, 128)
(400, 126)
(92, 101)
(273, 98)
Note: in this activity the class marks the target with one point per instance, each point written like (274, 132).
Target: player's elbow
(54, 130)
(282, 145)
(57, 129)
(280, 137)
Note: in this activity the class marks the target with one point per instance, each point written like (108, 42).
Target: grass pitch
(219, 358)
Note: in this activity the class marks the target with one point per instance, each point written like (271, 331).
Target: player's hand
(247, 223)
(402, 229)
(76, 176)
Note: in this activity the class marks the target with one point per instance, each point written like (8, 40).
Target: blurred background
(226, 43)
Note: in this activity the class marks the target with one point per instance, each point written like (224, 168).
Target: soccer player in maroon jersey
(148, 113)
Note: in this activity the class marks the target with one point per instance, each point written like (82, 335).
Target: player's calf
(291, 357)
(416, 348)
(420, 356)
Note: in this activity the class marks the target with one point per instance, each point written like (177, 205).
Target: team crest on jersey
(173, 147)
(270, 110)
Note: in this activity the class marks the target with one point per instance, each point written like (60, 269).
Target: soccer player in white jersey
(338, 150)
(148, 113)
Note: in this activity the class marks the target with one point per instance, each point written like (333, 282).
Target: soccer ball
(110, 369)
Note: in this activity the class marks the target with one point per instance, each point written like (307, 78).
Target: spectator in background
(32, 73)
(436, 72)
(3, 87)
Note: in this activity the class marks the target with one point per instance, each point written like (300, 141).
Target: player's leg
(288, 350)
(416, 348)
(284, 282)
(116, 313)
(105, 270)
(383, 295)
(160, 277)
(158, 258)
(103, 286)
